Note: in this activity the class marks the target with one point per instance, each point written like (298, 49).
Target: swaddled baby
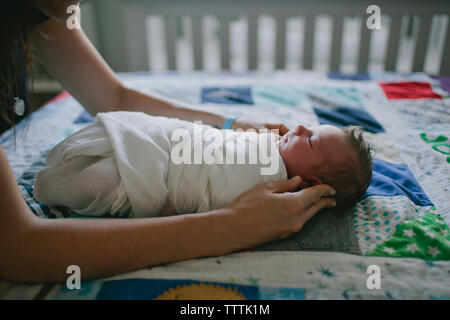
(132, 164)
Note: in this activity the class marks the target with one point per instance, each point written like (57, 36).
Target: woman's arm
(40, 250)
(34, 249)
(69, 56)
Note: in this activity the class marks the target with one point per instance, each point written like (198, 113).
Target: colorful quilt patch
(376, 218)
(59, 97)
(279, 96)
(282, 293)
(84, 117)
(444, 81)
(426, 237)
(389, 179)
(334, 97)
(345, 116)
(145, 289)
(224, 95)
(88, 291)
(409, 90)
(344, 76)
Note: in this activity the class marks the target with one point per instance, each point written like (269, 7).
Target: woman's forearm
(132, 100)
(103, 247)
(39, 250)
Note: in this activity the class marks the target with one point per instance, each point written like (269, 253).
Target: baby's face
(304, 150)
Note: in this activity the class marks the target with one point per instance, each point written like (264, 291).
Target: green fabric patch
(427, 237)
(279, 96)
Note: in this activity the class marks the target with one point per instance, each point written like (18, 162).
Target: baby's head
(327, 154)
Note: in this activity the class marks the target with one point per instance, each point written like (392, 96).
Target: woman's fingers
(310, 201)
(274, 210)
(282, 186)
(305, 198)
(282, 129)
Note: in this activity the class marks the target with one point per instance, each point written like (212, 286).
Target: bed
(401, 224)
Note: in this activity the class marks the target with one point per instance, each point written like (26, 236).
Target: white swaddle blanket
(149, 153)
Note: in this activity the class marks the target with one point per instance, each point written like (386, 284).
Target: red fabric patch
(409, 90)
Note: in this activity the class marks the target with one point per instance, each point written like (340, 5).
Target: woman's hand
(273, 210)
(245, 124)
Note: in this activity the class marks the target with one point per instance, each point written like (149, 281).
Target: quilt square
(444, 81)
(408, 90)
(84, 117)
(353, 76)
(389, 179)
(426, 237)
(225, 95)
(345, 116)
(161, 289)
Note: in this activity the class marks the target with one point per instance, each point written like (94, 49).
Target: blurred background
(263, 35)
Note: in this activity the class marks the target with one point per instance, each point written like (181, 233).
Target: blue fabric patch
(345, 116)
(267, 293)
(389, 179)
(84, 117)
(234, 95)
(353, 76)
(143, 289)
(88, 291)
(45, 209)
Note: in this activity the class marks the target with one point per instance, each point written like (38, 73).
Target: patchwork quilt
(400, 225)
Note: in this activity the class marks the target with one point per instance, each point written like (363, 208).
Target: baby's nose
(302, 130)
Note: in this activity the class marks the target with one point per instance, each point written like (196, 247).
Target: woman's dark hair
(17, 18)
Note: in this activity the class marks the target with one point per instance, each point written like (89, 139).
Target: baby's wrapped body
(137, 165)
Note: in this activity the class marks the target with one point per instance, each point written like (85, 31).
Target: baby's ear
(314, 181)
(304, 184)
(310, 182)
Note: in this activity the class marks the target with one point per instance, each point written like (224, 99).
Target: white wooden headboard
(120, 29)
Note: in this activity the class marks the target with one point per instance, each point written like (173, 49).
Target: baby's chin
(292, 172)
